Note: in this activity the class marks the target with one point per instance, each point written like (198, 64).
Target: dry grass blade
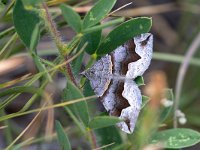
(26, 77)
(50, 119)
(22, 133)
(55, 2)
(47, 107)
(15, 81)
(120, 8)
(147, 10)
(3, 127)
(105, 146)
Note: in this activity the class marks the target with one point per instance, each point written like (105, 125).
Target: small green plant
(31, 21)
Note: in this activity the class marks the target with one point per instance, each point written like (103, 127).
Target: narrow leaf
(35, 37)
(103, 121)
(71, 17)
(24, 22)
(123, 33)
(177, 138)
(34, 41)
(145, 100)
(62, 137)
(20, 89)
(98, 12)
(80, 109)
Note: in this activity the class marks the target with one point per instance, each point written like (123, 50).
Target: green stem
(52, 29)
(62, 47)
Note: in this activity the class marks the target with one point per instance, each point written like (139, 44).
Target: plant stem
(93, 139)
(181, 74)
(64, 51)
(62, 47)
(52, 29)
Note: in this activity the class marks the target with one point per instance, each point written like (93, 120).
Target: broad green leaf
(80, 109)
(62, 137)
(139, 81)
(77, 63)
(88, 91)
(98, 12)
(104, 25)
(71, 17)
(166, 110)
(92, 39)
(108, 135)
(24, 22)
(103, 121)
(123, 33)
(177, 138)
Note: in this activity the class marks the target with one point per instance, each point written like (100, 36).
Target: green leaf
(62, 137)
(166, 110)
(31, 2)
(35, 37)
(139, 80)
(20, 89)
(34, 41)
(145, 100)
(177, 138)
(93, 40)
(103, 121)
(71, 17)
(16, 90)
(77, 63)
(80, 109)
(98, 12)
(24, 22)
(108, 135)
(104, 25)
(123, 33)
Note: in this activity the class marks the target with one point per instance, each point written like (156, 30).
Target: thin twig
(120, 8)
(93, 139)
(148, 10)
(181, 74)
(70, 73)
(105, 146)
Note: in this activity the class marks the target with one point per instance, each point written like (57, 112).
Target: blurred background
(176, 29)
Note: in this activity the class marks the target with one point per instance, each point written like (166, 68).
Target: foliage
(31, 21)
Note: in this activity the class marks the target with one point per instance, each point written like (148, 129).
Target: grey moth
(112, 79)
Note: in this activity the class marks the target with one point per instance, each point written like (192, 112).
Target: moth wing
(144, 48)
(130, 114)
(100, 75)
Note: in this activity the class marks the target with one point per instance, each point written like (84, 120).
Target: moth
(112, 79)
